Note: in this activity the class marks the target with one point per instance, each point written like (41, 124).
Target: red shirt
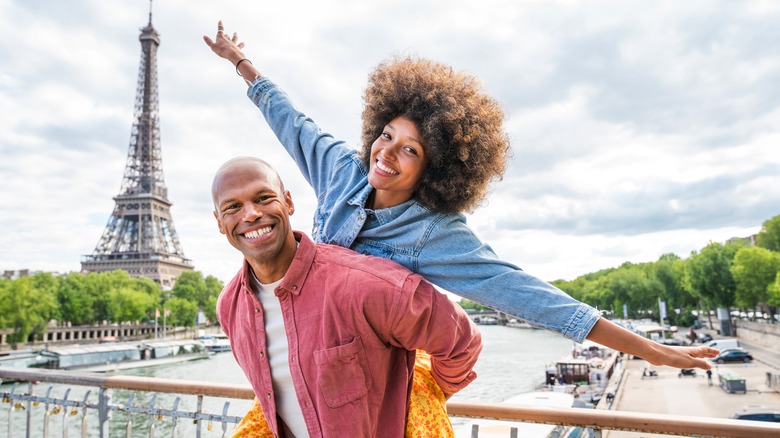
(353, 324)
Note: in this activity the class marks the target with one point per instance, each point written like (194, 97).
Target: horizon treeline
(735, 274)
(28, 304)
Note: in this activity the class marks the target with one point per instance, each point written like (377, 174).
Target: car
(733, 355)
(758, 413)
(704, 338)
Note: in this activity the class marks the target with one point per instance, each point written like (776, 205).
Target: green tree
(27, 309)
(769, 236)
(77, 305)
(100, 285)
(191, 286)
(182, 312)
(668, 272)
(755, 269)
(210, 311)
(708, 274)
(129, 305)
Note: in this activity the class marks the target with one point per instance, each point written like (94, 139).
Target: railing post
(84, 416)
(103, 412)
(175, 419)
(475, 431)
(65, 414)
(224, 423)
(29, 410)
(10, 410)
(198, 410)
(46, 414)
(152, 416)
(129, 427)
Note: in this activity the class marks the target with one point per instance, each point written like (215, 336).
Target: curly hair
(460, 125)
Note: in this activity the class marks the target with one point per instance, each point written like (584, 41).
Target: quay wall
(766, 335)
(66, 335)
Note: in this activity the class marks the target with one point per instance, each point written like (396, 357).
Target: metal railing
(33, 408)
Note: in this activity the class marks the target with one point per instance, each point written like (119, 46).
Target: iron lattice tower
(140, 237)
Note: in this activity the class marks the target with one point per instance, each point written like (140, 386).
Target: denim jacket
(439, 246)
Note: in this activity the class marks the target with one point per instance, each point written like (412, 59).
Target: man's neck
(276, 269)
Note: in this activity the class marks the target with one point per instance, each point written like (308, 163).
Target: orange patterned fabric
(427, 416)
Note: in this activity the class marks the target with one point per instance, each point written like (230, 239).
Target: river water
(513, 361)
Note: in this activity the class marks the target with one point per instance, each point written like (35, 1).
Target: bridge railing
(30, 411)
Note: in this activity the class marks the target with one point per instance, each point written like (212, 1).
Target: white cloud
(638, 129)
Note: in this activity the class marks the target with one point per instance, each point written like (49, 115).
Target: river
(513, 361)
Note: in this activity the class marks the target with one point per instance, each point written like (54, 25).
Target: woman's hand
(225, 46)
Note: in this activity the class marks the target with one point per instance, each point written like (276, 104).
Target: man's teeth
(257, 233)
(385, 168)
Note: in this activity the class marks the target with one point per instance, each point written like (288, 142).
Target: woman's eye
(386, 136)
(411, 150)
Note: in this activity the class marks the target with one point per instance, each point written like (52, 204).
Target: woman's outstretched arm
(613, 336)
(228, 47)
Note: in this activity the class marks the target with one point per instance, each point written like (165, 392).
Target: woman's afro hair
(460, 125)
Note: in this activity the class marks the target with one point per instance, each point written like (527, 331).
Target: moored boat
(120, 355)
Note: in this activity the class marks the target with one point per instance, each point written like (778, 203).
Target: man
(326, 336)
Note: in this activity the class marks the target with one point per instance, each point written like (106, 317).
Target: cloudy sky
(639, 128)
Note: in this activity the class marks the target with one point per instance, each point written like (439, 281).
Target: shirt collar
(296, 274)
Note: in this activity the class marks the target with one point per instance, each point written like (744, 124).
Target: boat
(120, 355)
(518, 323)
(218, 343)
(500, 428)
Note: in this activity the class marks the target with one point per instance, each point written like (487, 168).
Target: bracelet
(239, 63)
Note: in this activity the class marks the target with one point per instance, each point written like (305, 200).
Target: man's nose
(252, 212)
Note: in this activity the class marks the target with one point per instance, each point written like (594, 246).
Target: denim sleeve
(453, 258)
(314, 151)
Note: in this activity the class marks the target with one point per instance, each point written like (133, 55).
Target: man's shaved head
(239, 163)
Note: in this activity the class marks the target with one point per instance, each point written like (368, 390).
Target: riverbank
(670, 393)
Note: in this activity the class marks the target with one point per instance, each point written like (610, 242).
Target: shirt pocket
(343, 373)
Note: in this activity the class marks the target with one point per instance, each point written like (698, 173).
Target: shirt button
(295, 287)
(262, 354)
(257, 310)
(268, 394)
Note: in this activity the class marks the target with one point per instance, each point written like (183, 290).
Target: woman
(432, 143)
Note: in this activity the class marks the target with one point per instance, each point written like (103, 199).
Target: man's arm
(428, 320)
(613, 336)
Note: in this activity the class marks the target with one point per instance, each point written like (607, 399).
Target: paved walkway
(670, 394)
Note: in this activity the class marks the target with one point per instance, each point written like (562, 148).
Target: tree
(708, 276)
(754, 271)
(128, 305)
(27, 309)
(668, 272)
(77, 305)
(183, 312)
(191, 286)
(769, 236)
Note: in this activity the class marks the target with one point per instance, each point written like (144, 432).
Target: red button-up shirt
(353, 324)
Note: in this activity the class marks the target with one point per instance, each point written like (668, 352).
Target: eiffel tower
(139, 237)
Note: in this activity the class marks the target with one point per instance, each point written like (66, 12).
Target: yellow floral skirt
(427, 415)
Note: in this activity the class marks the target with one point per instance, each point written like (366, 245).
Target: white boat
(121, 355)
(497, 428)
(217, 343)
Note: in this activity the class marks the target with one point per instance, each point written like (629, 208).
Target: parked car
(705, 337)
(733, 355)
(724, 344)
(758, 413)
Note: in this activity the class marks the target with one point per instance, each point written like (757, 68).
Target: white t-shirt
(287, 405)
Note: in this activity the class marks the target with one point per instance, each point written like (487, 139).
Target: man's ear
(219, 223)
(288, 200)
